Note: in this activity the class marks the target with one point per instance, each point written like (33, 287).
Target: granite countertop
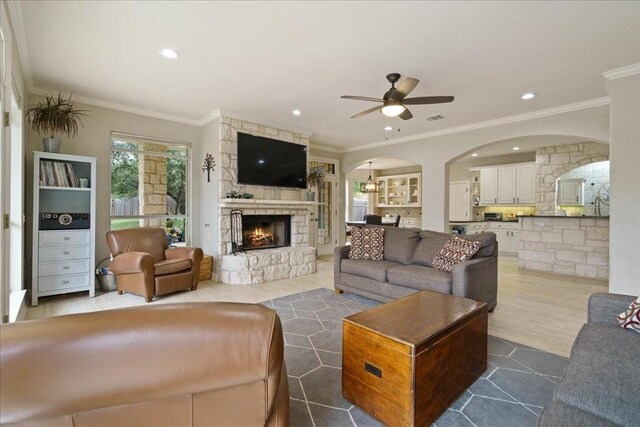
(562, 216)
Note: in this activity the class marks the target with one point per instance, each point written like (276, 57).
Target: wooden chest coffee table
(406, 361)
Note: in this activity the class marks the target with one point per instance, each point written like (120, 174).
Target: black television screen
(266, 161)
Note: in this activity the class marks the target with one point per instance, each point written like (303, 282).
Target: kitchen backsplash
(402, 211)
(508, 212)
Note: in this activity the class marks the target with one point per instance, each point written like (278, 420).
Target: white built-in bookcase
(63, 260)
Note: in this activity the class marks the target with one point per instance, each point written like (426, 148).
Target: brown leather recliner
(197, 364)
(145, 265)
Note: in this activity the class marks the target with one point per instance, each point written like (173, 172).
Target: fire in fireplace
(265, 231)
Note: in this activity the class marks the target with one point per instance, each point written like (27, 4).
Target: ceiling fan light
(393, 110)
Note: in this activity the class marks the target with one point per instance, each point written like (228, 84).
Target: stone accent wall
(267, 265)
(553, 162)
(152, 186)
(228, 155)
(565, 245)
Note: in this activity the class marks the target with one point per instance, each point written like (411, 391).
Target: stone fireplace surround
(263, 265)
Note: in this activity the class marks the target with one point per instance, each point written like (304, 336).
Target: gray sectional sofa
(406, 268)
(600, 385)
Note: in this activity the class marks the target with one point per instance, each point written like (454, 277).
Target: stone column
(152, 187)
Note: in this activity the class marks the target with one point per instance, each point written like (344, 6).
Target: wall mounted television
(270, 162)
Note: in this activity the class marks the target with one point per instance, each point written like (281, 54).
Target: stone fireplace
(265, 231)
(273, 258)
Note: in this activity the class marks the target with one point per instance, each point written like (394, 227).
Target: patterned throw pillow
(454, 251)
(630, 319)
(367, 243)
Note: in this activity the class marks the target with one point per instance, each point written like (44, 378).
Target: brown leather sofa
(198, 364)
(144, 264)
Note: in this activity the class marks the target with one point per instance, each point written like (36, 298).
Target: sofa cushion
(367, 243)
(400, 244)
(607, 339)
(559, 414)
(630, 319)
(422, 278)
(171, 266)
(376, 270)
(455, 251)
(487, 243)
(428, 247)
(602, 378)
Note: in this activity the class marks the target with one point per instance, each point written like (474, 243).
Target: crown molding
(118, 107)
(582, 105)
(15, 16)
(328, 148)
(224, 113)
(618, 73)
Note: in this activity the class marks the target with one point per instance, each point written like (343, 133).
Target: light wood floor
(540, 310)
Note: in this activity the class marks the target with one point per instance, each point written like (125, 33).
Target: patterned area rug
(518, 383)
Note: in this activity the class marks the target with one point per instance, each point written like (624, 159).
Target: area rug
(517, 385)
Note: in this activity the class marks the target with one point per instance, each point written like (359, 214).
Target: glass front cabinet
(399, 190)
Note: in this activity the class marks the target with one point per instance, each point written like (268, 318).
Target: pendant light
(370, 186)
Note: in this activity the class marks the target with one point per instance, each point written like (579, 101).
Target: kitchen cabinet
(489, 186)
(508, 184)
(64, 206)
(571, 192)
(399, 190)
(507, 235)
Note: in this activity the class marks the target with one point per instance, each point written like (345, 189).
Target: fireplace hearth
(265, 231)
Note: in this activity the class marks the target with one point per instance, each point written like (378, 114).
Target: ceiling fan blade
(406, 115)
(427, 100)
(362, 98)
(365, 112)
(405, 88)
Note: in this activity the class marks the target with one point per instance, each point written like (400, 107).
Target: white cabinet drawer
(48, 284)
(57, 253)
(60, 238)
(504, 226)
(57, 268)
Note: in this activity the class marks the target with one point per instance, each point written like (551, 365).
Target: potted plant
(55, 116)
(315, 179)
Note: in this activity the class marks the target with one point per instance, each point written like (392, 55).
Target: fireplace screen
(265, 231)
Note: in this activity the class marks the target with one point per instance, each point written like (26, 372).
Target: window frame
(126, 137)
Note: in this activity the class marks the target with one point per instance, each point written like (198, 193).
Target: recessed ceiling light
(296, 112)
(516, 148)
(388, 128)
(528, 95)
(169, 53)
(474, 154)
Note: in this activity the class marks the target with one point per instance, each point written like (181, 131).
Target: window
(360, 202)
(150, 184)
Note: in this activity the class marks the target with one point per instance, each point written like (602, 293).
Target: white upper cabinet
(489, 186)
(508, 184)
(399, 190)
(571, 192)
(526, 183)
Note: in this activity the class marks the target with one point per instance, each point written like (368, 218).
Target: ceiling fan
(394, 101)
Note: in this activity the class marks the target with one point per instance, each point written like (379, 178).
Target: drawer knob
(65, 267)
(65, 238)
(65, 282)
(65, 253)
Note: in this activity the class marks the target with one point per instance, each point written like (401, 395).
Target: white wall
(624, 252)
(95, 140)
(434, 153)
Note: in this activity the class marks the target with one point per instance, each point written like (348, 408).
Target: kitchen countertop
(562, 216)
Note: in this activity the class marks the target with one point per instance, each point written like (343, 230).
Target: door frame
(313, 225)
